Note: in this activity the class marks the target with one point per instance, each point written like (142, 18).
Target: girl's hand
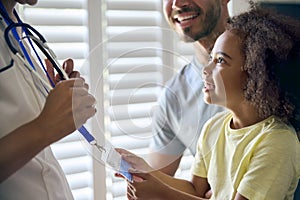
(138, 164)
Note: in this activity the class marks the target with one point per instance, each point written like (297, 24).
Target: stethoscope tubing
(42, 45)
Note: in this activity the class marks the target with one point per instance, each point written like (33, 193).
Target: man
(182, 112)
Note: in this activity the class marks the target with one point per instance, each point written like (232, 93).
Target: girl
(250, 151)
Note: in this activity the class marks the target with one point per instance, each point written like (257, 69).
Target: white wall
(238, 6)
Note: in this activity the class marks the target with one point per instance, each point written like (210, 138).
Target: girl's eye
(217, 60)
(220, 60)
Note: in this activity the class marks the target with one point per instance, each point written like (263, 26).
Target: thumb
(68, 66)
(140, 175)
(122, 151)
(49, 69)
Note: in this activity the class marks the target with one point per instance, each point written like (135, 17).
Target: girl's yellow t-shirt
(261, 161)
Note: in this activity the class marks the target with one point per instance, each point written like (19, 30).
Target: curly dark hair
(271, 46)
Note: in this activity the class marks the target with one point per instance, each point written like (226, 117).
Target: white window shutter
(134, 43)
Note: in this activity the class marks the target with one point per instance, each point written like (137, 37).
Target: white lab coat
(21, 100)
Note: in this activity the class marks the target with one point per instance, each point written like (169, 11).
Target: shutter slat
(131, 142)
(54, 17)
(129, 96)
(60, 4)
(121, 34)
(70, 34)
(65, 50)
(76, 181)
(134, 65)
(133, 49)
(129, 18)
(83, 193)
(69, 150)
(133, 5)
(134, 80)
(131, 127)
(120, 112)
(76, 164)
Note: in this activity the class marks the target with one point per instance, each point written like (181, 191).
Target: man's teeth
(183, 18)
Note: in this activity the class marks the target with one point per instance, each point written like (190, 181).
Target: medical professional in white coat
(31, 120)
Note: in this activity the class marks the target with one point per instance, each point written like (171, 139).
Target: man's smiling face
(192, 19)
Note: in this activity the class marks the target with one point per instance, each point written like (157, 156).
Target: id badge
(114, 159)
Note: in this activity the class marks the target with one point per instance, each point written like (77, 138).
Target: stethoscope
(32, 34)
